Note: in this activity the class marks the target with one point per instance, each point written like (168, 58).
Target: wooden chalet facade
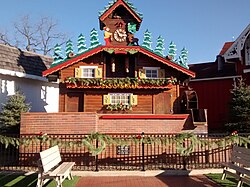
(119, 87)
(119, 77)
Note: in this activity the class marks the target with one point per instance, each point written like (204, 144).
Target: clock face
(120, 35)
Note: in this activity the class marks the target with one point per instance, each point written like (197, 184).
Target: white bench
(50, 167)
(240, 163)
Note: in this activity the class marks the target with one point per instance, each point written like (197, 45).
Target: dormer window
(152, 73)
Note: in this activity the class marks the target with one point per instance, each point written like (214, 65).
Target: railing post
(96, 157)
(143, 146)
(184, 159)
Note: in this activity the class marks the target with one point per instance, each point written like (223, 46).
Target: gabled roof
(234, 51)
(116, 3)
(118, 49)
(15, 60)
(225, 47)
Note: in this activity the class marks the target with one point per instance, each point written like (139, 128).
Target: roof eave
(101, 48)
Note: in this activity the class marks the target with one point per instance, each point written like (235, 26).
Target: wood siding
(215, 96)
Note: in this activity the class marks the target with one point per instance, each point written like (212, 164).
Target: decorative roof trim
(235, 50)
(119, 48)
(115, 5)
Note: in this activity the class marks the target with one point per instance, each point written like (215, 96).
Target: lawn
(228, 182)
(19, 180)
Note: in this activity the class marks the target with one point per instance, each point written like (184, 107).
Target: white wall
(43, 96)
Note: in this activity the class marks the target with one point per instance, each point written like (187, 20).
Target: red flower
(234, 133)
(40, 133)
(139, 137)
(121, 103)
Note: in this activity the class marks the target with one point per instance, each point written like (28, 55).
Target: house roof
(210, 70)
(234, 51)
(117, 49)
(14, 59)
(226, 46)
(116, 3)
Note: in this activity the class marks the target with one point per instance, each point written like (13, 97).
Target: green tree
(240, 108)
(172, 51)
(94, 41)
(10, 115)
(147, 40)
(183, 59)
(57, 56)
(81, 44)
(159, 49)
(69, 47)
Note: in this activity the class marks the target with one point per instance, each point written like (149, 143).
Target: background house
(21, 70)
(215, 80)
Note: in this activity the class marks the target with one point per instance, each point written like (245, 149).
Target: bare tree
(47, 30)
(27, 33)
(37, 37)
(4, 38)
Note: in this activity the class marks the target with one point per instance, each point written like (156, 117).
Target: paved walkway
(139, 181)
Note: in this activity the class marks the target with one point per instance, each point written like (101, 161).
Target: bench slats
(240, 161)
(64, 167)
(50, 158)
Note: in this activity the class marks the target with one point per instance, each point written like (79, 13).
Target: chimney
(220, 61)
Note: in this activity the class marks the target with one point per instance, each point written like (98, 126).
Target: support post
(143, 154)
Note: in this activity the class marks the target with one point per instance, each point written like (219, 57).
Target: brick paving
(158, 181)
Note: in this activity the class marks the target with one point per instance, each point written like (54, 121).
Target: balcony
(120, 83)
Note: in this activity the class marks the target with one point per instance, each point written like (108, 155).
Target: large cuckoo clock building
(123, 82)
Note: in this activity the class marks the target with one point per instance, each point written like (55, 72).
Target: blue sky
(202, 26)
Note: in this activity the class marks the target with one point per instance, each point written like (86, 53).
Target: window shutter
(98, 73)
(78, 72)
(161, 73)
(106, 100)
(142, 73)
(133, 100)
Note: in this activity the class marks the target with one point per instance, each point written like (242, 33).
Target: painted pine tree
(159, 49)
(69, 48)
(183, 59)
(94, 40)
(81, 44)
(147, 40)
(172, 51)
(57, 56)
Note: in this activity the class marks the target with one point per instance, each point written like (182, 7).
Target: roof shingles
(14, 59)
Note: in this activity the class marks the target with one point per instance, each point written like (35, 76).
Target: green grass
(19, 180)
(228, 182)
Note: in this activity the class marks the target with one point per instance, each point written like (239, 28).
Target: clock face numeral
(120, 35)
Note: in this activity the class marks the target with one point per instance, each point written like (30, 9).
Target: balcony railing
(120, 83)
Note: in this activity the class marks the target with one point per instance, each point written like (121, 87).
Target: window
(88, 71)
(151, 72)
(123, 98)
